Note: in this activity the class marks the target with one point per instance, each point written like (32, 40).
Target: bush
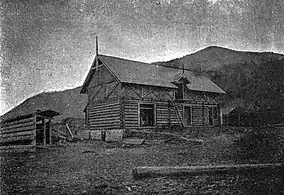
(261, 145)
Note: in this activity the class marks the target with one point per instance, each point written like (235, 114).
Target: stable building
(127, 94)
(26, 132)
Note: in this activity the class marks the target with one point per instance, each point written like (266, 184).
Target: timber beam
(144, 172)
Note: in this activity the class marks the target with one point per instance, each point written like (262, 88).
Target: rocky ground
(96, 167)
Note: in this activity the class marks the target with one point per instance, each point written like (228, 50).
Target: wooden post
(169, 114)
(49, 121)
(44, 131)
(34, 140)
(203, 115)
(122, 115)
(220, 121)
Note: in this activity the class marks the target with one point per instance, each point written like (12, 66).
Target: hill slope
(69, 103)
(214, 58)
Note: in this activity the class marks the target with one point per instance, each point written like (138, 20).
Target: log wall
(164, 112)
(18, 132)
(130, 114)
(105, 115)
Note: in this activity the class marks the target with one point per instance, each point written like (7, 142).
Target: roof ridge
(146, 63)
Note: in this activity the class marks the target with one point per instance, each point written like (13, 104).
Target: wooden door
(211, 118)
(187, 115)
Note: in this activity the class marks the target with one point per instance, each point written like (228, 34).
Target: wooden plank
(107, 106)
(104, 111)
(17, 122)
(105, 125)
(16, 134)
(44, 132)
(34, 130)
(99, 115)
(21, 138)
(142, 172)
(106, 115)
(106, 120)
(18, 130)
(7, 128)
(69, 130)
(103, 105)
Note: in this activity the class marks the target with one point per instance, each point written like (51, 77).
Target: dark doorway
(147, 115)
(187, 115)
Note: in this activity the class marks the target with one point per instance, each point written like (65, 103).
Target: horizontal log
(26, 120)
(131, 122)
(7, 128)
(101, 105)
(28, 128)
(21, 138)
(142, 172)
(105, 106)
(105, 125)
(104, 110)
(5, 136)
(131, 113)
(104, 120)
(131, 116)
(104, 115)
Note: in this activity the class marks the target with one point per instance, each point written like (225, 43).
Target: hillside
(69, 103)
(214, 58)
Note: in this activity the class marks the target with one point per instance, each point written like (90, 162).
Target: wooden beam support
(34, 140)
(50, 132)
(44, 132)
(143, 172)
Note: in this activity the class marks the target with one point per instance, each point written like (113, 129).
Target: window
(147, 115)
(187, 115)
(179, 92)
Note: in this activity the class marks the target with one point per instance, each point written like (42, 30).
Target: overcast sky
(49, 45)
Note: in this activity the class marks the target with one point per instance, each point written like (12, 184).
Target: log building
(126, 94)
(26, 131)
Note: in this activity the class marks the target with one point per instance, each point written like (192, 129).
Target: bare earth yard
(96, 167)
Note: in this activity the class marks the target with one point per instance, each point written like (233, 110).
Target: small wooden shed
(27, 131)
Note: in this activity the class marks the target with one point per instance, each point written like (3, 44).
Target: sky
(49, 45)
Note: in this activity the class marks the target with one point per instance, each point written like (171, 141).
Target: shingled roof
(129, 71)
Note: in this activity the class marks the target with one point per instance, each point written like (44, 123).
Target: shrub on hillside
(260, 145)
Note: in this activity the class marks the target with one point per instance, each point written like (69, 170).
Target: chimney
(97, 49)
(97, 52)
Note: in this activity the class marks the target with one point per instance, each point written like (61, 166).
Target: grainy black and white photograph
(131, 97)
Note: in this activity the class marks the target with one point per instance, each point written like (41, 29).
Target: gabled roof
(129, 71)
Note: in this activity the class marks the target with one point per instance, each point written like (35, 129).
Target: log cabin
(127, 94)
(25, 132)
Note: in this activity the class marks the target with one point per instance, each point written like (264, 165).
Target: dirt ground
(96, 167)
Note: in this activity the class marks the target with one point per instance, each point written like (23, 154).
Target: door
(187, 115)
(211, 119)
(213, 116)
